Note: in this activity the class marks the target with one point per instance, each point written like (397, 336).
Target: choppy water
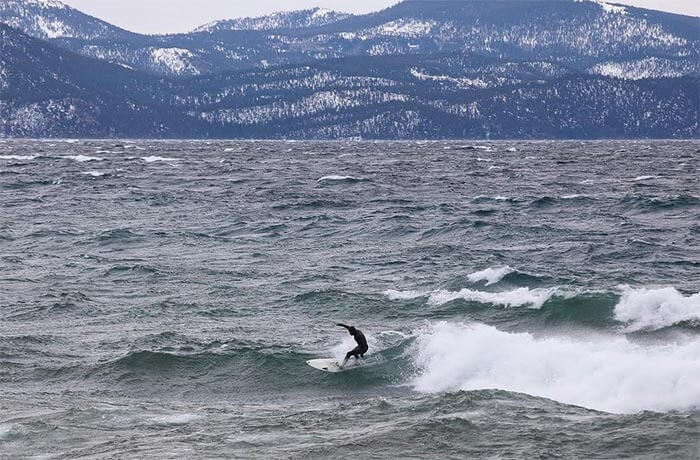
(159, 299)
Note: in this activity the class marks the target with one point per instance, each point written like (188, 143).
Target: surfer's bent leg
(354, 352)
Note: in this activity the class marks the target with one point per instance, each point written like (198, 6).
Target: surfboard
(330, 365)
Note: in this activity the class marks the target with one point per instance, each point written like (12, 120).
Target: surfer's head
(352, 330)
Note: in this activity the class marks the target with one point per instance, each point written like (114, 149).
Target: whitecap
(496, 198)
(607, 373)
(491, 275)
(82, 158)
(339, 178)
(94, 173)
(643, 178)
(534, 298)
(19, 157)
(153, 159)
(404, 295)
(656, 308)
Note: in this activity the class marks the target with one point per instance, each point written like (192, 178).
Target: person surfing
(361, 348)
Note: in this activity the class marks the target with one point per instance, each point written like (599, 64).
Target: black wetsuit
(361, 348)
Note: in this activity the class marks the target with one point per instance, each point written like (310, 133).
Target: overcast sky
(161, 16)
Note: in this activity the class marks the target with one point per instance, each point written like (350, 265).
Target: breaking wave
(534, 298)
(490, 275)
(650, 309)
(607, 373)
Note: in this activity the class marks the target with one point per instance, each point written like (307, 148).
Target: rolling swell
(651, 203)
(227, 367)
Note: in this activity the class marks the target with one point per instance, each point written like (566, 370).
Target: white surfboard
(330, 365)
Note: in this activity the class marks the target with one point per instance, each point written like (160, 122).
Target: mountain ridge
(419, 69)
(584, 31)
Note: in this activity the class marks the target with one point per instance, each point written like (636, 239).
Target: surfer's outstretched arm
(343, 325)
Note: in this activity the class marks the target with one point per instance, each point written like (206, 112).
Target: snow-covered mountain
(420, 69)
(588, 35)
(46, 91)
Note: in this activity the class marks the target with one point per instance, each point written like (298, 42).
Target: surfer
(361, 347)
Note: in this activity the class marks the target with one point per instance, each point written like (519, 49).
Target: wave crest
(535, 298)
(491, 275)
(651, 309)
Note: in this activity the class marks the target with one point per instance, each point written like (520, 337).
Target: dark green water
(521, 300)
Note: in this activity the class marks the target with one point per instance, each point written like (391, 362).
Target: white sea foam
(82, 158)
(337, 178)
(19, 157)
(400, 334)
(404, 295)
(153, 159)
(649, 309)
(534, 298)
(94, 173)
(491, 275)
(524, 296)
(599, 372)
(484, 197)
(643, 178)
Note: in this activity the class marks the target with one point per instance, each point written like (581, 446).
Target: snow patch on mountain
(175, 60)
(321, 13)
(652, 67)
(46, 4)
(612, 9)
(316, 103)
(406, 28)
(4, 84)
(460, 82)
(53, 28)
(607, 7)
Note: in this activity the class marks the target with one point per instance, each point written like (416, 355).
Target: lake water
(521, 299)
